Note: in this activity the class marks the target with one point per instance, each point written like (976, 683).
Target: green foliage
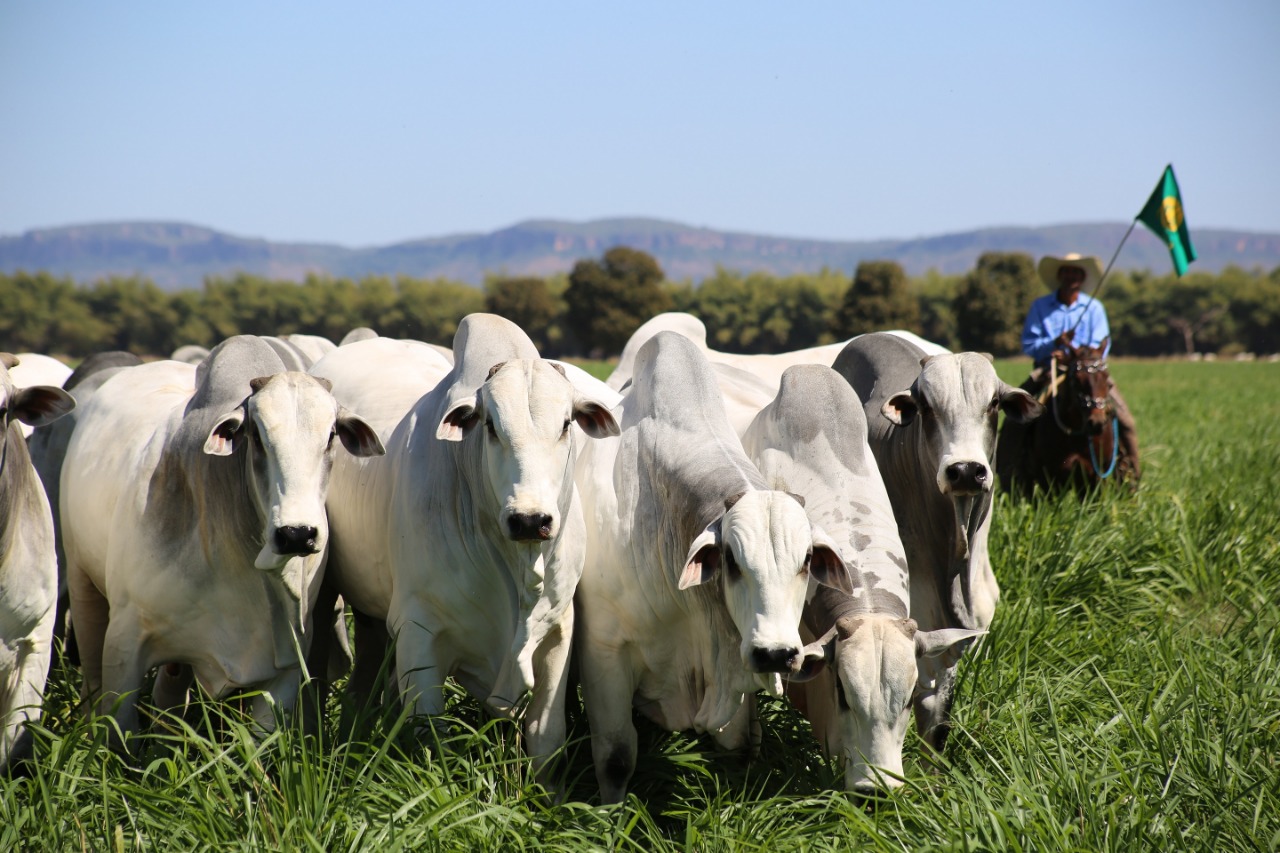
(879, 299)
(528, 303)
(607, 300)
(992, 302)
(1125, 699)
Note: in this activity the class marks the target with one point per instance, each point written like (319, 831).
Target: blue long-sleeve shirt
(1049, 318)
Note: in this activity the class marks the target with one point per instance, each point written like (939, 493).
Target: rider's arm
(1038, 339)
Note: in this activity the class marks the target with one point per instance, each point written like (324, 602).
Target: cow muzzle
(785, 659)
(967, 478)
(530, 526)
(296, 540)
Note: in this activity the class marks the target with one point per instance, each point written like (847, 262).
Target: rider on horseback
(1068, 317)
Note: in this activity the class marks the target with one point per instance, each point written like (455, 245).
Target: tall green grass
(1127, 697)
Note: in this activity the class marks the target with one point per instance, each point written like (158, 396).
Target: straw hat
(1049, 266)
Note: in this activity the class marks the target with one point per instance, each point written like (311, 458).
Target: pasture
(1127, 697)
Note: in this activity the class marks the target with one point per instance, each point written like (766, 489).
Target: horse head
(1087, 386)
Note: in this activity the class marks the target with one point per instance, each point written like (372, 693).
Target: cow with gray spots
(931, 422)
(812, 440)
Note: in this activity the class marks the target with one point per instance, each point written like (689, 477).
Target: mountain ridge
(179, 255)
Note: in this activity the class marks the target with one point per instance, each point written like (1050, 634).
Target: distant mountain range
(178, 256)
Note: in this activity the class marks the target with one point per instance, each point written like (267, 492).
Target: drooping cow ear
(948, 642)
(827, 566)
(459, 420)
(901, 408)
(704, 557)
(816, 658)
(40, 405)
(222, 438)
(356, 435)
(1020, 405)
(595, 418)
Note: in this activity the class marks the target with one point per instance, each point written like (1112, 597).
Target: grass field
(1127, 698)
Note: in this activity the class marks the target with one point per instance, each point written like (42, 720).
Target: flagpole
(1098, 289)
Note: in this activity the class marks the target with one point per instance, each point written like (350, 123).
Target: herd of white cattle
(701, 527)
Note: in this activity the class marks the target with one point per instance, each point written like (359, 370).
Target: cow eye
(731, 565)
(333, 433)
(493, 431)
(256, 432)
(567, 423)
(808, 561)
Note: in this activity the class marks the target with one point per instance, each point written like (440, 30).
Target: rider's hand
(1065, 339)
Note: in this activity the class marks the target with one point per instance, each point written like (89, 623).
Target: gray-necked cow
(696, 571)
(28, 565)
(194, 525)
(931, 424)
(812, 440)
(480, 543)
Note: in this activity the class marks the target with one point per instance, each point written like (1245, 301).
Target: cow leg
(280, 693)
(23, 702)
(420, 670)
(372, 654)
(607, 689)
(932, 700)
(173, 686)
(544, 723)
(90, 615)
(123, 670)
(322, 655)
(743, 730)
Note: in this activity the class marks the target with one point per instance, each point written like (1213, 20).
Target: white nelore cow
(28, 565)
(767, 368)
(812, 440)
(194, 525)
(931, 422)
(470, 533)
(696, 570)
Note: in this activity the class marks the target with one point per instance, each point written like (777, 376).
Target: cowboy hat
(1049, 266)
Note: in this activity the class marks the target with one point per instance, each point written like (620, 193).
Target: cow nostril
(529, 526)
(774, 660)
(296, 539)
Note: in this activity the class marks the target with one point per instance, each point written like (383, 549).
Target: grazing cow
(931, 423)
(48, 447)
(194, 525)
(28, 566)
(481, 540)
(696, 571)
(812, 440)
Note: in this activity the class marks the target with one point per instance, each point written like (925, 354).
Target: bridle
(1088, 401)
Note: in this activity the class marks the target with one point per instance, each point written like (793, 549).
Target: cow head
(873, 674)
(525, 412)
(957, 399)
(288, 424)
(34, 406)
(765, 550)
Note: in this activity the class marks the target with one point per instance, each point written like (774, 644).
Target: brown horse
(1077, 441)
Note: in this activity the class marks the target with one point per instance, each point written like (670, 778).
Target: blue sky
(365, 124)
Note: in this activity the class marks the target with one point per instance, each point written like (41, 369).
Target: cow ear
(594, 418)
(949, 642)
(9, 360)
(458, 421)
(222, 438)
(40, 405)
(827, 566)
(704, 557)
(901, 408)
(1020, 405)
(816, 657)
(357, 436)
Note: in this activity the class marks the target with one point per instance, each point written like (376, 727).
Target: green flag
(1163, 215)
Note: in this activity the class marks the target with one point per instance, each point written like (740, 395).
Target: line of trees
(594, 309)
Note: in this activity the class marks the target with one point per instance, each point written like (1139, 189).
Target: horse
(1078, 442)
